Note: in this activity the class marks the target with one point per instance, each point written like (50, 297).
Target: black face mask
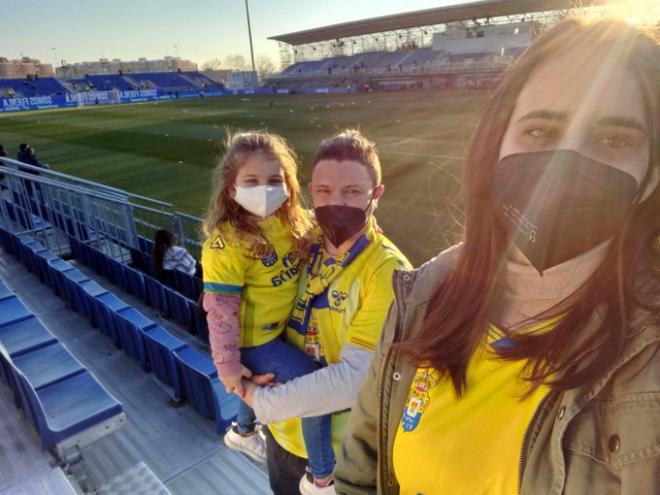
(339, 222)
(559, 204)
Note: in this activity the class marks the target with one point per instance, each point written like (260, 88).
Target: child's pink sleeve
(224, 332)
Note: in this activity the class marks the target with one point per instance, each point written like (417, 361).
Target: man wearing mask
(344, 296)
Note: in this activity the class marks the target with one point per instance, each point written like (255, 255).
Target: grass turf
(167, 150)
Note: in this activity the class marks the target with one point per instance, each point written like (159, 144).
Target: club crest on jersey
(418, 399)
(270, 259)
(218, 242)
(338, 297)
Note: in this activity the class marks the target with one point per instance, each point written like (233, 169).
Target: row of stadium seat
(378, 62)
(169, 302)
(59, 397)
(176, 299)
(43, 86)
(188, 373)
(49, 86)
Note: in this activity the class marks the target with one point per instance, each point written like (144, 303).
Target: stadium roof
(429, 17)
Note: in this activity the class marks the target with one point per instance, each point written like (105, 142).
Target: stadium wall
(109, 98)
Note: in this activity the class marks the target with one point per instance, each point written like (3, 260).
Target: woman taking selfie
(527, 358)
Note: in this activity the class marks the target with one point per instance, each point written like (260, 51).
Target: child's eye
(275, 181)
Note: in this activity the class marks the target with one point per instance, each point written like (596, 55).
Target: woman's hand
(233, 383)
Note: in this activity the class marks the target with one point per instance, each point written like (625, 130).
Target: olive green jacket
(602, 439)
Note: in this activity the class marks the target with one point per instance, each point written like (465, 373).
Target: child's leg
(245, 419)
(288, 363)
(317, 432)
(280, 358)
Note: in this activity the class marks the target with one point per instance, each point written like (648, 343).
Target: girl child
(256, 234)
(169, 255)
(527, 359)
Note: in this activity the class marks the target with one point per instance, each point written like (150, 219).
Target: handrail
(48, 172)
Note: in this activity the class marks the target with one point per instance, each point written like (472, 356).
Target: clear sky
(201, 29)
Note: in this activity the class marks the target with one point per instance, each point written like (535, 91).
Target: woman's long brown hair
(466, 301)
(239, 147)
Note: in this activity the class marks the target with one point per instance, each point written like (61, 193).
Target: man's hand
(250, 385)
(233, 383)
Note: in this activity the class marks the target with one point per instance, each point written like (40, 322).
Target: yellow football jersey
(267, 286)
(471, 444)
(352, 311)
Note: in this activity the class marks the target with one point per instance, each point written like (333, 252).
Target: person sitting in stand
(169, 256)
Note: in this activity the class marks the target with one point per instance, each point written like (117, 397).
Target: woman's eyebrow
(544, 114)
(622, 122)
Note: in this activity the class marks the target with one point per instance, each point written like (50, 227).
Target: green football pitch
(167, 150)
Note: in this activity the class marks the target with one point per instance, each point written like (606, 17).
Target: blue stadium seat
(29, 248)
(179, 310)
(199, 288)
(87, 291)
(104, 307)
(167, 278)
(199, 326)
(47, 365)
(72, 280)
(117, 273)
(25, 335)
(201, 386)
(161, 345)
(4, 291)
(12, 310)
(32, 251)
(67, 408)
(156, 295)
(18, 338)
(131, 324)
(137, 260)
(146, 245)
(41, 261)
(135, 281)
(57, 268)
(184, 284)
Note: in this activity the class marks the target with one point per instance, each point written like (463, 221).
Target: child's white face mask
(261, 201)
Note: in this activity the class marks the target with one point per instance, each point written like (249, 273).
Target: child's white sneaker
(308, 486)
(253, 445)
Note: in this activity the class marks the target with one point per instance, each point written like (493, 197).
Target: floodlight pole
(247, 13)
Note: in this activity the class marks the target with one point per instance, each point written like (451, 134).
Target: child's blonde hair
(240, 146)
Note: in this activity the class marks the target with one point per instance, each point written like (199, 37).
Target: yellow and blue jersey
(267, 286)
(469, 444)
(351, 311)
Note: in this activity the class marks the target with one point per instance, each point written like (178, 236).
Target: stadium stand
(168, 81)
(102, 83)
(37, 228)
(63, 402)
(50, 86)
(126, 327)
(189, 373)
(459, 46)
(42, 86)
